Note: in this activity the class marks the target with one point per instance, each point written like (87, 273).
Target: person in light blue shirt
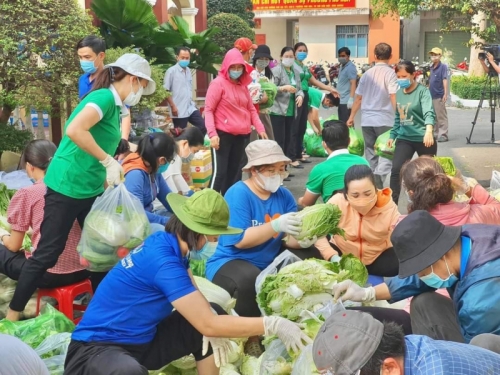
(353, 342)
(348, 76)
(130, 326)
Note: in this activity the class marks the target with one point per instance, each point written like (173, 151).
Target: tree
(128, 23)
(231, 28)
(455, 14)
(39, 65)
(240, 8)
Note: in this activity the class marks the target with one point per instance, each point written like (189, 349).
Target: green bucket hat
(205, 212)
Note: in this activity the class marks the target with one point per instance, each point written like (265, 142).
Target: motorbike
(464, 65)
(318, 71)
(333, 73)
(423, 73)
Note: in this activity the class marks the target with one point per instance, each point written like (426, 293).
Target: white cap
(137, 66)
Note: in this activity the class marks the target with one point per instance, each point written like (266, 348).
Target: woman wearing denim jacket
(289, 97)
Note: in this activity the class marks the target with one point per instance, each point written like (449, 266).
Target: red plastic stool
(65, 297)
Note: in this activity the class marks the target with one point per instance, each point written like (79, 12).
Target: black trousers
(195, 118)
(403, 153)
(175, 338)
(282, 129)
(226, 167)
(11, 265)
(238, 277)
(383, 314)
(344, 112)
(299, 130)
(59, 214)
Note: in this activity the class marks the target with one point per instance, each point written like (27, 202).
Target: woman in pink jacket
(229, 118)
(428, 188)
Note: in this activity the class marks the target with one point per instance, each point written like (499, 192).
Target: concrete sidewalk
(474, 160)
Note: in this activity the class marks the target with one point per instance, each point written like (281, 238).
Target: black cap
(262, 51)
(420, 240)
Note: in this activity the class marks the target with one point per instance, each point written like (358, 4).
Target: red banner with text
(301, 4)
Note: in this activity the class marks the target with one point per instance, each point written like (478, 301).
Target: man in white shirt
(179, 82)
(376, 96)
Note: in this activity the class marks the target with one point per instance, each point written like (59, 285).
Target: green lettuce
(357, 270)
(447, 165)
(320, 220)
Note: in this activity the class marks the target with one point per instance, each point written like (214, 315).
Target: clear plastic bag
(275, 360)
(53, 352)
(305, 363)
(381, 148)
(495, 180)
(116, 224)
(356, 142)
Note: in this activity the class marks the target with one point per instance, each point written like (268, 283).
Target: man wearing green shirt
(316, 100)
(327, 178)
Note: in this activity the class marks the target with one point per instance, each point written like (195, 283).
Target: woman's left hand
(428, 139)
(221, 348)
(263, 135)
(299, 101)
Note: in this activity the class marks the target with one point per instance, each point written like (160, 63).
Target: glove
(288, 332)
(353, 292)
(306, 243)
(221, 348)
(114, 171)
(335, 259)
(287, 223)
(350, 102)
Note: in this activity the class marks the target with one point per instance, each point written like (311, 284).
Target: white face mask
(288, 61)
(434, 58)
(271, 184)
(134, 97)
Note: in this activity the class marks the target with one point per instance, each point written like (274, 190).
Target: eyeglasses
(282, 174)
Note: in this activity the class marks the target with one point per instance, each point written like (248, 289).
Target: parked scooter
(463, 66)
(318, 71)
(333, 73)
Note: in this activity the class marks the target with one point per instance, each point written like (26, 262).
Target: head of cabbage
(320, 220)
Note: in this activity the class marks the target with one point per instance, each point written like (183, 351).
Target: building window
(355, 38)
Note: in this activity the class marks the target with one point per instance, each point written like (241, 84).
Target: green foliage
(127, 23)
(12, 139)
(469, 87)
(455, 14)
(147, 101)
(240, 8)
(231, 28)
(39, 65)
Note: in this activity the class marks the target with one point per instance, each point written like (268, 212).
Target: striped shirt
(26, 211)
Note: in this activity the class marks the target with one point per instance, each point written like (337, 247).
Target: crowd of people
(148, 311)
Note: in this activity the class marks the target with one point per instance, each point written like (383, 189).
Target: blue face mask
(235, 74)
(301, 56)
(404, 83)
(184, 63)
(32, 180)
(163, 168)
(325, 106)
(88, 66)
(434, 281)
(205, 252)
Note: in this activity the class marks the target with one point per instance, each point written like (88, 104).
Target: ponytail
(39, 154)
(156, 145)
(192, 135)
(106, 77)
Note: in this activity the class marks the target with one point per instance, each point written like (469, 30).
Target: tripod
(492, 90)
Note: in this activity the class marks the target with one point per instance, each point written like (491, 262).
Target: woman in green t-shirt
(413, 125)
(307, 79)
(289, 97)
(82, 165)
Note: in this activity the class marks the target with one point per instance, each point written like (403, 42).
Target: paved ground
(474, 160)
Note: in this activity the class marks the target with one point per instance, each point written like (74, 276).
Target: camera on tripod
(494, 50)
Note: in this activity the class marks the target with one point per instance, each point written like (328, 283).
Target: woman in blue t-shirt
(266, 212)
(131, 327)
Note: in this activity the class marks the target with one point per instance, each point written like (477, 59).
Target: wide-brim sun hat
(137, 66)
(205, 212)
(420, 240)
(262, 51)
(264, 152)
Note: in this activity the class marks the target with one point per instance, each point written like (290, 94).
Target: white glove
(350, 102)
(221, 348)
(353, 292)
(114, 171)
(288, 332)
(335, 259)
(287, 223)
(306, 243)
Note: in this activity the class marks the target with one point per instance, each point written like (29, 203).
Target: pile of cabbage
(5, 198)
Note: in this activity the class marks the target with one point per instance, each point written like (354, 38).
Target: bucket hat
(437, 51)
(205, 212)
(346, 342)
(262, 51)
(420, 240)
(137, 66)
(263, 152)
(244, 45)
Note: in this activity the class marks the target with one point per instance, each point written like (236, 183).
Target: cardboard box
(201, 169)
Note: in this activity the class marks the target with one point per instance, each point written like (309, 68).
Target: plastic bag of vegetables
(53, 352)
(270, 89)
(275, 360)
(314, 145)
(305, 363)
(116, 224)
(356, 142)
(381, 148)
